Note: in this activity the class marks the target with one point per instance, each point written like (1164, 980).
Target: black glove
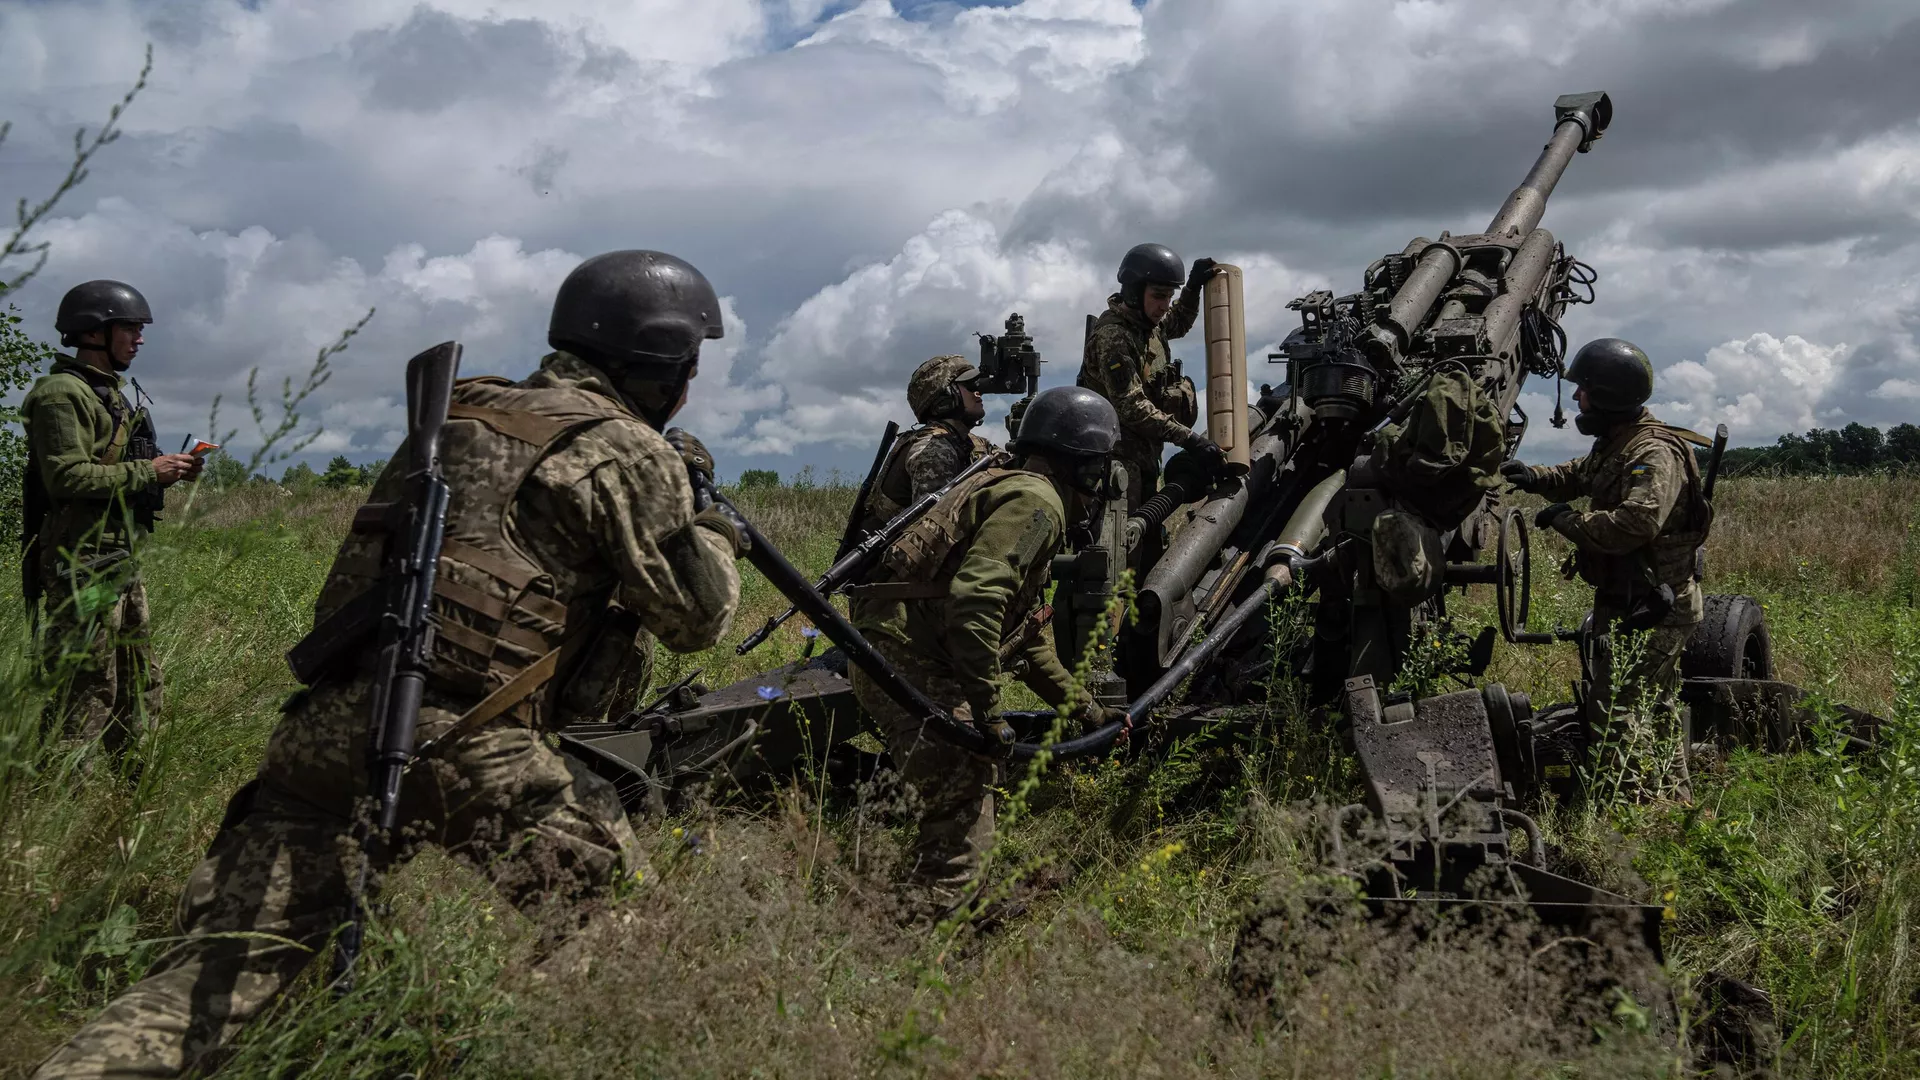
(694, 452)
(1517, 473)
(1203, 270)
(1207, 453)
(1547, 516)
(722, 520)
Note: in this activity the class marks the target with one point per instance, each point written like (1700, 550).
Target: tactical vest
(893, 491)
(921, 564)
(499, 611)
(1669, 558)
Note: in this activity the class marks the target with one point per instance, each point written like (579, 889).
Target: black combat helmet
(1149, 264)
(1616, 375)
(91, 305)
(644, 312)
(1068, 421)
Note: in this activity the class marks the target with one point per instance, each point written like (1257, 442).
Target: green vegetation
(1849, 451)
(763, 942)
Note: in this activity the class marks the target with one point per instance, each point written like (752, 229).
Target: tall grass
(763, 941)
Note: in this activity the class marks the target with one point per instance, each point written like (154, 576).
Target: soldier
(1646, 518)
(1127, 362)
(942, 397)
(92, 491)
(565, 495)
(964, 605)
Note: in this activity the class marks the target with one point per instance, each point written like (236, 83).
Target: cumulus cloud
(870, 183)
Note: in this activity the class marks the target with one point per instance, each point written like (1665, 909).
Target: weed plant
(764, 938)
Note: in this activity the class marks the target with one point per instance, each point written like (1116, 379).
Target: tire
(1731, 641)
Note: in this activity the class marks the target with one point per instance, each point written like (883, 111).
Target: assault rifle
(854, 564)
(402, 621)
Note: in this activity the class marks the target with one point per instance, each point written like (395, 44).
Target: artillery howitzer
(1399, 404)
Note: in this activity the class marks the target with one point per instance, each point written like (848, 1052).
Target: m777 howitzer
(1364, 428)
(1370, 480)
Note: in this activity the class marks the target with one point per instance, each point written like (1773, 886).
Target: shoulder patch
(1032, 539)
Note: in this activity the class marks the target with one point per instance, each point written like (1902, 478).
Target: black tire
(1731, 641)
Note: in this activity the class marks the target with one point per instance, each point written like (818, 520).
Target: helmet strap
(1600, 422)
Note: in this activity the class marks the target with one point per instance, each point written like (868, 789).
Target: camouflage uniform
(601, 511)
(1128, 363)
(922, 461)
(971, 579)
(1647, 517)
(78, 425)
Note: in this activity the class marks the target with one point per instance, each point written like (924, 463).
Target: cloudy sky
(869, 182)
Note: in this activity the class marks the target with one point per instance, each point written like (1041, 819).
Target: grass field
(762, 942)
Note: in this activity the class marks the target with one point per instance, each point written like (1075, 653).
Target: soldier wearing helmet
(571, 539)
(1646, 519)
(942, 396)
(1127, 361)
(962, 605)
(92, 490)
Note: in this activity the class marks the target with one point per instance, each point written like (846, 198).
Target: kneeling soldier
(963, 605)
(568, 505)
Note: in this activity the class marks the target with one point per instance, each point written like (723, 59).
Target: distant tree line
(1851, 450)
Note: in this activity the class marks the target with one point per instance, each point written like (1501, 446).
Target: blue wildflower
(768, 693)
(809, 631)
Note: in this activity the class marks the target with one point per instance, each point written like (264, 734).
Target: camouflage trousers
(274, 884)
(1639, 703)
(950, 789)
(103, 653)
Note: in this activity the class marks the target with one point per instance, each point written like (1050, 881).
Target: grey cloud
(1276, 132)
(434, 60)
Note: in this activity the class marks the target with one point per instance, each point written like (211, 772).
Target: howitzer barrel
(1578, 120)
(1408, 309)
(1526, 273)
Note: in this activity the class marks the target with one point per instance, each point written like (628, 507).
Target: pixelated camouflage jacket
(1128, 363)
(1647, 509)
(922, 460)
(75, 445)
(983, 558)
(580, 530)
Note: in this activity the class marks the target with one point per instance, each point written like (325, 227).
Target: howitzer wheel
(1513, 592)
(1731, 642)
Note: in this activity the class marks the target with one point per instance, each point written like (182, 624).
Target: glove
(1094, 715)
(1203, 270)
(1207, 452)
(990, 723)
(722, 520)
(694, 452)
(1545, 518)
(1517, 473)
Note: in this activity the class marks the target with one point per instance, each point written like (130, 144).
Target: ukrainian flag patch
(1640, 470)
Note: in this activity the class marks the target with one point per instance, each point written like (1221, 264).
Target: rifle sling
(517, 689)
